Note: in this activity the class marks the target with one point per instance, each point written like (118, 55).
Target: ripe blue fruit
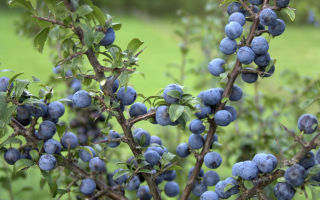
(211, 97)
(247, 170)
(69, 140)
(155, 140)
(214, 139)
(23, 112)
(163, 117)
(52, 146)
(245, 55)
(237, 17)
(308, 160)
(278, 28)
(97, 165)
(76, 85)
(284, 191)
(47, 162)
(209, 195)
(177, 93)
(212, 160)
(221, 186)
(256, 2)
(236, 93)
(109, 37)
(85, 156)
(134, 183)
(169, 175)
(228, 46)
(204, 111)
(233, 30)
(127, 96)
(143, 193)
(234, 7)
(199, 188)
(158, 149)
(262, 60)
(56, 110)
(87, 186)
(171, 189)
(182, 150)
(38, 110)
(249, 77)
(268, 73)
(268, 17)
(201, 172)
(121, 179)
(152, 157)
(81, 99)
(211, 178)
(283, 3)
(115, 84)
(232, 111)
(308, 123)
(215, 66)
(46, 130)
(295, 175)
(142, 137)
(223, 118)
(266, 163)
(11, 156)
(195, 141)
(196, 126)
(259, 45)
(137, 109)
(113, 135)
(4, 82)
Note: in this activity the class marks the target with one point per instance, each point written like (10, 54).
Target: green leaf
(174, 93)
(22, 164)
(314, 170)
(51, 182)
(34, 154)
(222, 2)
(87, 150)
(134, 45)
(20, 86)
(99, 15)
(61, 128)
(84, 10)
(41, 39)
(121, 173)
(228, 187)
(166, 158)
(88, 34)
(175, 111)
(147, 171)
(33, 101)
(116, 26)
(290, 12)
(23, 3)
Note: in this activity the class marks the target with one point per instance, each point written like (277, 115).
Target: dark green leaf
(22, 164)
(99, 15)
(134, 45)
(41, 39)
(121, 173)
(290, 12)
(84, 10)
(20, 86)
(175, 111)
(116, 26)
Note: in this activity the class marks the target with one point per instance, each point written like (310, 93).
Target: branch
(149, 115)
(52, 21)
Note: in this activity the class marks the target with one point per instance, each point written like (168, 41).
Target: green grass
(298, 50)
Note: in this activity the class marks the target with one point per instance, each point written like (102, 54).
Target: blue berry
(23, 112)
(52, 146)
(266, 163)
(97, 165)
(262, 60)
(69, 140)
(87, 186)
(234, 7)
(115, 85)
(256, 2)
(228, 46)
(268, 73)
(109, 37)
(195, 141)
(176, 90)
(56, 110)
(199, 188)
(158, 149)
(155, 140)
(212, 96)
(162, 116)
(215, 66)
(121, 179)
(259, 45)
(38, 110)
(223, 118)
(46, 130)
(232, 111)
(308, 123)
(4, 82)
(81, 99)
(236, 93)
(11, 156)
(249, 77)
(268, 17)
(247, 170)
(283, 3)
(113, 135)
(143, 193)
(221, 186)
(127, 95)
(245, 55)
(278, 28)
(212, 160)
(284, 191)
(204, 111)
(76, 85)
(171, 189)
(47, 162)
(201, 172)
(169, 175)
(308, 160)
(137, 109)
(211, 178)
(134, 183)
(152, 157)
(295, 175)
(209, 195)
(237, 17)
(233, 30)
(142, 137)
(85, 156)
(182, 150)
(196, 126)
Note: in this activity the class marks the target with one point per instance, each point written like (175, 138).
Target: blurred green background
(153, 22)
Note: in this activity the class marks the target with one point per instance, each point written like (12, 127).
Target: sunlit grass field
(297, 49)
